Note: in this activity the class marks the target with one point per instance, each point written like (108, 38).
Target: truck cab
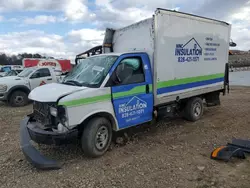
(15, 89)
(102, 94)
(126, 78)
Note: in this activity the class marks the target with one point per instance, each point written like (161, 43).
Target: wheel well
(211, 96)
(107, 115)
(18, 89)
(183, 102)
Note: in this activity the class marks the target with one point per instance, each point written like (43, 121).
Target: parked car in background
(15, 89)
(10, 70)
(11, 73)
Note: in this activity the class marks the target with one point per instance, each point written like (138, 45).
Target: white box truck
(170, 63)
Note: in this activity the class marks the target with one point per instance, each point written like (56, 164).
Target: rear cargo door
(132, 90)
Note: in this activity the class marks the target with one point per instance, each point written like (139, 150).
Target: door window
(44, 72)
(41, 73)
(128, 71)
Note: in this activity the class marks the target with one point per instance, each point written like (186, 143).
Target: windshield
(5, 69)
(10, 73)
(4, 74)
(90, 72)
(26, 72)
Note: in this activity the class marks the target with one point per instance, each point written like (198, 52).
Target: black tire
(194, 109)
(91, 146)
(18, 98)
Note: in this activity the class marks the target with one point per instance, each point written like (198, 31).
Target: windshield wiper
(72, 82)
(90, 85)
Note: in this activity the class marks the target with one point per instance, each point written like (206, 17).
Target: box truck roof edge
(188, 14)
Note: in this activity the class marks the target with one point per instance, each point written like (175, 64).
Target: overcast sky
(63, 28)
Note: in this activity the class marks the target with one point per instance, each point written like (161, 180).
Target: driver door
(40, 77)
(132, 95)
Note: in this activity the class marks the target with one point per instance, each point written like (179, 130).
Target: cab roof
(117, 53)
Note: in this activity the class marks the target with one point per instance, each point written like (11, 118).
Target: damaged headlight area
(60, 114)
(51, 116)
(62, 118)
(53, 111)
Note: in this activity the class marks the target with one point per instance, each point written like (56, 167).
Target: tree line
(17, 59)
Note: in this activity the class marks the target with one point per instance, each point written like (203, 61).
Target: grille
(41, 112)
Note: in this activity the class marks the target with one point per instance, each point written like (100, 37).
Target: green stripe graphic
(78, 102)
(141, 89)
(188, 80)
(134, 91)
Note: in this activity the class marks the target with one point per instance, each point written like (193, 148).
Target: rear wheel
(18, 98)
(96, 137)
(194, 109)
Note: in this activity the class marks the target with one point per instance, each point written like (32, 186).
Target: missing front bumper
(31, 153)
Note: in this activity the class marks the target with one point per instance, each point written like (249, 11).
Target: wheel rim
(102, 136)
(197, 109)
(19, 99)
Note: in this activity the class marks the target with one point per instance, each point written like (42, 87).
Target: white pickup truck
(15, 89)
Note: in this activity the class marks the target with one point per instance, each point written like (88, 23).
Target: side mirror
(232, 44)
(79, 60)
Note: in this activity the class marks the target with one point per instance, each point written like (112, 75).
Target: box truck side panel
(135, 37)
(190, 55)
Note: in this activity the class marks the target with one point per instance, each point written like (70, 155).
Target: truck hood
(52, 92)
(7, 79)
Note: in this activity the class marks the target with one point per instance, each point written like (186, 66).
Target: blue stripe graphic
(122, 88)
(188, 86)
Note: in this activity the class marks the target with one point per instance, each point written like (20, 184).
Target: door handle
(147, 88)
(49, 79)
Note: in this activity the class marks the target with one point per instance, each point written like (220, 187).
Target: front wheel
(96, 137)
(18, 98)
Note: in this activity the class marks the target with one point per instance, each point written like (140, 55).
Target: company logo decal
(52, 63)
(42, 83)
(48, 64)
(135, 106)
(188, 52)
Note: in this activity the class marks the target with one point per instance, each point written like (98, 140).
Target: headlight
(3, 87)
(53, 111)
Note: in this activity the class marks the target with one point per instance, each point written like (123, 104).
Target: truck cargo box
(188, 53)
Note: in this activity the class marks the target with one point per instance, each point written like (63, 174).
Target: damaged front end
(46, 125)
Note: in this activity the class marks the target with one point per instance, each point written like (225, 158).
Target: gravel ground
(172, 153)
